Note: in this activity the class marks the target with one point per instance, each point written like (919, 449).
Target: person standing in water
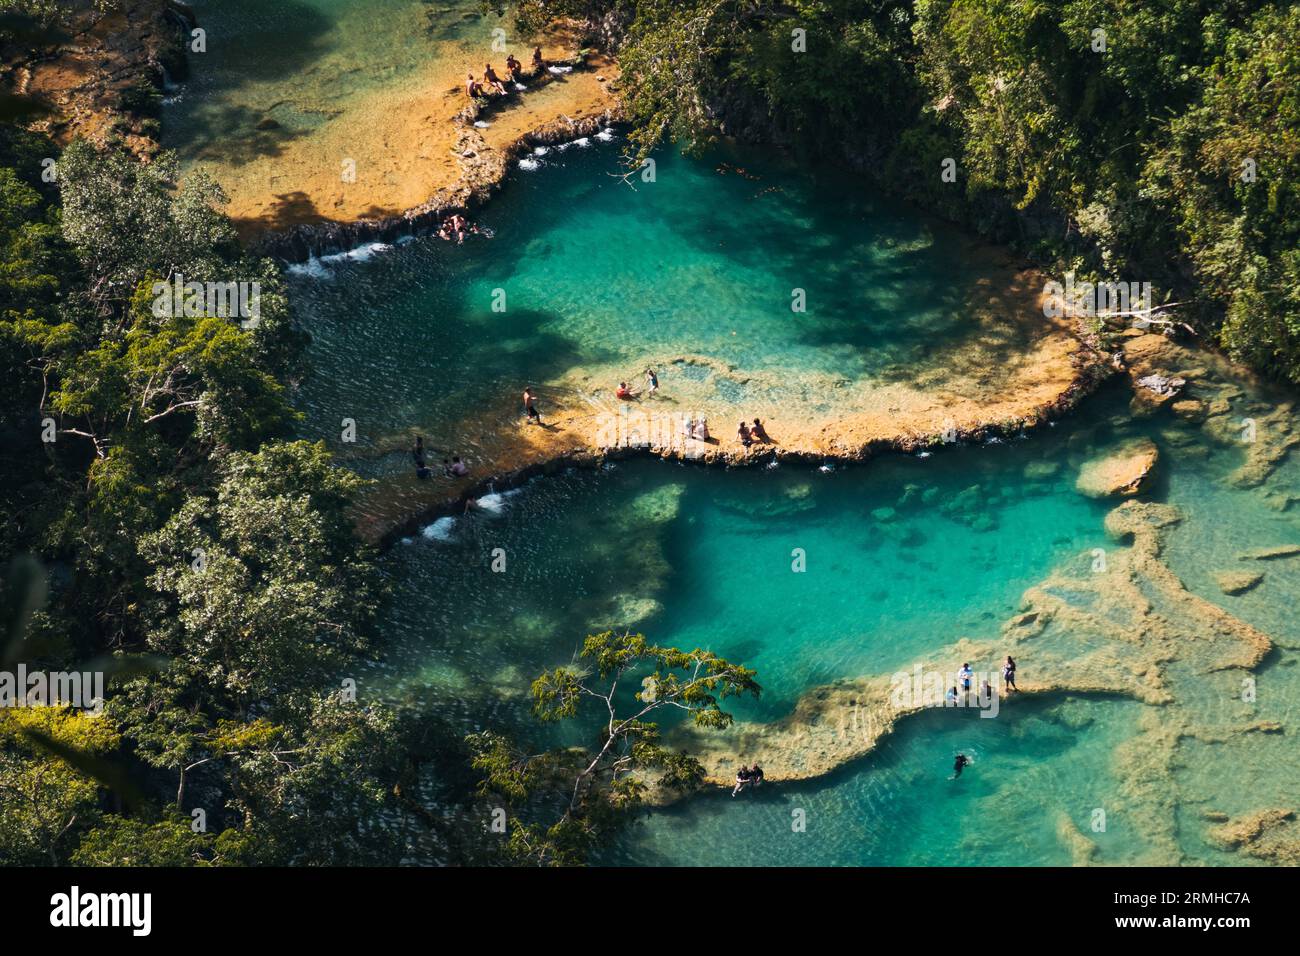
(651, 381)
(958, 764)
(417, 455)
(530, 407)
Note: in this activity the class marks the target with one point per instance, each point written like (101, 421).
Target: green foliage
(128, 221)
(122, 841)
(266, 585)
(588, 794)
(1123, 162)
(169, 430)
(1243, 236)
(44, 799)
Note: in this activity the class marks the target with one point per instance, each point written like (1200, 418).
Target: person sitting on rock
(473, 87)
(743, 779)
(490, 77)
(701, 431)
(515, 68)
(538, 62)
(624, 392)
(759, 432)
(743, 433)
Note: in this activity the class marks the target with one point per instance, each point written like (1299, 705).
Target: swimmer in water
(958, 764)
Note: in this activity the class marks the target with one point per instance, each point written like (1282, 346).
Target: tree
(265, 585)
(588, 793)
(45, 799)
(122, 841)
(128, 220)
(1228, 174)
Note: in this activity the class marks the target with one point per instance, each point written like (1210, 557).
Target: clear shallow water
(286, 90)
(904, 555)
(691, 274)
(712, 548)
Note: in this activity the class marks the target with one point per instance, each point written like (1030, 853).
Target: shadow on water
(259, 135)
(252, 41)
(249, 42)
(432, 359)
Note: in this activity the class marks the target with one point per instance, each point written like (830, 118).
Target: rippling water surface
(904, 554)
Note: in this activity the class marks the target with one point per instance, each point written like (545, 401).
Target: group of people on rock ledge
(747, 434)
(493, 84)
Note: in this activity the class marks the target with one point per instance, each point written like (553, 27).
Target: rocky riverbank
(1016, 372)
(98, 75)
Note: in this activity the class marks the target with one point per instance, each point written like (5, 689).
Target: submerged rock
(1269, 834)
(1238, 582)
(626, 611)
(1189, 409)
(1038, 470)
(654, 507)
(1271, 554)
(1082, 850)
(1121, 472)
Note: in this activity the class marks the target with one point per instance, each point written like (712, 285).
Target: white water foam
(318, 267)
(440, 530)
(495, 502)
